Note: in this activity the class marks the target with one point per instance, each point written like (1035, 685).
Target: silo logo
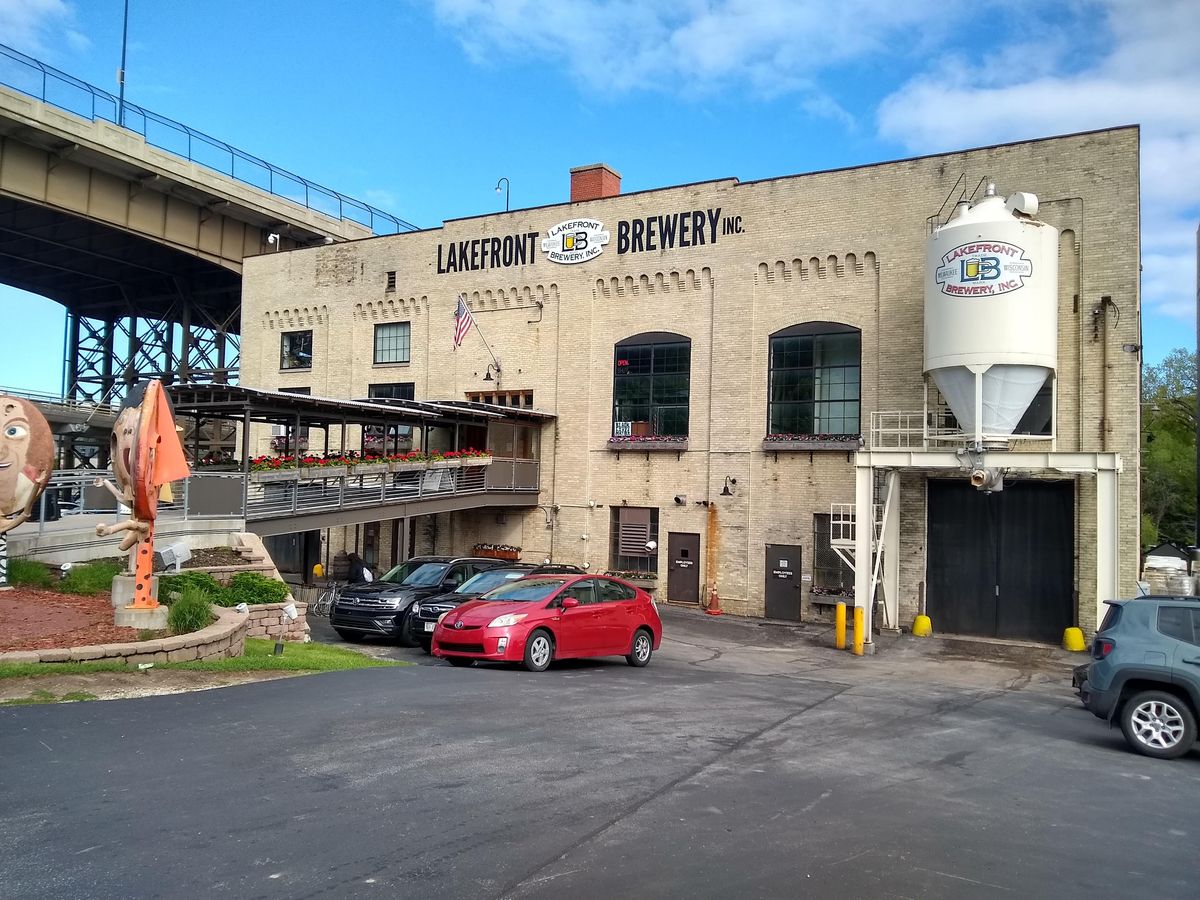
(575, 241)
(983, 269)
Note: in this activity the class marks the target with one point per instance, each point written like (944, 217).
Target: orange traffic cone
(714, 603)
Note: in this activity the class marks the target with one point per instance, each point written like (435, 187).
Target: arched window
(814, 380)
(651, 386)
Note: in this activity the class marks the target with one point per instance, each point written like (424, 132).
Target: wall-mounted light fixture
(492, 367)
(1132, 348)
(730, 482)
(507, 184)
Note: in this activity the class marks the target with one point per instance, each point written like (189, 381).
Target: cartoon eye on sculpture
(26, 463)
(146, 454)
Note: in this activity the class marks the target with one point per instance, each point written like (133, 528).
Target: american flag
(463, 320)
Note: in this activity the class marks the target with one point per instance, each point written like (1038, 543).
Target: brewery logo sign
(983, 269)
(575, 241)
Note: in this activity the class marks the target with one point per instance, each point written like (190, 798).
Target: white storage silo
(991, 311)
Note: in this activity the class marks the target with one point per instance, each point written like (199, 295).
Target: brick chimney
(594, 182)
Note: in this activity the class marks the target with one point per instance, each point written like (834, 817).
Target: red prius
(545, 617)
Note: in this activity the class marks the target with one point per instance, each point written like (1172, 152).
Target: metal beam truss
(106, 356)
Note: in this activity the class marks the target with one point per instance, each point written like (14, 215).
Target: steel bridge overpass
(138, 225)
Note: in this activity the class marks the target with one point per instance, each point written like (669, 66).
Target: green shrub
(253, 589)
(191, 612)
(27, 573)
(90, 578)
(175, 584)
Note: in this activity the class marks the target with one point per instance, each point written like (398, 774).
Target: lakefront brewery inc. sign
(580, 240)
(575, 241)
(983, 269)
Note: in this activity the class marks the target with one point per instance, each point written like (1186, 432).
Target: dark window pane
(820, 367)
(651, 388)
(295, 350)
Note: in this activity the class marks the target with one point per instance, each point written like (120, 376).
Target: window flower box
(323, 471)
(371, 467)
(648, 443)
(267, 475)
(445, 464)
(498, 551)
(407, 465)
(774, 443)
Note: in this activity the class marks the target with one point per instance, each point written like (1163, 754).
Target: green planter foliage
(191, 612)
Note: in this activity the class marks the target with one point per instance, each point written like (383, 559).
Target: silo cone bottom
(922, 626)
(1073, 640)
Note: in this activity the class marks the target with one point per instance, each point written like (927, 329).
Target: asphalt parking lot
(744, 761)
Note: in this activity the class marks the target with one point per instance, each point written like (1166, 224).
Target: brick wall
(844, 246)
(268, 621)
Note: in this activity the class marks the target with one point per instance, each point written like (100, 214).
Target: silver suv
(1145, 673)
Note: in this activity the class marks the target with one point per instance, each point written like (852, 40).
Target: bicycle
(325, 600)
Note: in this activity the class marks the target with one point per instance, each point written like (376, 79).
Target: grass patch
(191, 612)
(32, 670)
(27, 573)
(296, 658)
(90, 578)
(41, 696)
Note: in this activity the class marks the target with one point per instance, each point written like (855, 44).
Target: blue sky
(420, 107)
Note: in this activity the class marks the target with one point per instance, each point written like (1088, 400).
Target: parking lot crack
(535, 875)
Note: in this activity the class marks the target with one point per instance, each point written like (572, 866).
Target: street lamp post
(121, 71)
(506, 184)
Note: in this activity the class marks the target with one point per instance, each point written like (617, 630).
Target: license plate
(429, 626)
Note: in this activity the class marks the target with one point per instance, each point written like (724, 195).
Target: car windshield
(397, 574)
(485, 581)
(527, 590)
(426, 574)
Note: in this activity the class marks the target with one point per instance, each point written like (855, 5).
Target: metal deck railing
(209, 494)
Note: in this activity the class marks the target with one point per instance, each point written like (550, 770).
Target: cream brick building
(674, 311)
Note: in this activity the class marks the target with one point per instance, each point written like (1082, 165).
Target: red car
(547, 617)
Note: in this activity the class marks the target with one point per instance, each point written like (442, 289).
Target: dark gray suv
(1145, 673)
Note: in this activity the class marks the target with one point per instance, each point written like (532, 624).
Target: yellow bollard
(1073, 640)
(859, 619)
(922, 626)
(839, 627)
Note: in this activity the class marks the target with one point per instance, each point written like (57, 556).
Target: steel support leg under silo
(864, 534)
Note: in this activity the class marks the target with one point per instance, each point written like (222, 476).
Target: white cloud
(30, 25)
(1147, 73)
(691, 47)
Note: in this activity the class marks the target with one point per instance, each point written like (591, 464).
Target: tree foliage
(1169, 449)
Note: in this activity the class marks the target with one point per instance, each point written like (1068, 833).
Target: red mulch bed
(42, 620)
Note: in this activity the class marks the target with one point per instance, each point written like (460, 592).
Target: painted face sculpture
(26, 459)
(145, 448)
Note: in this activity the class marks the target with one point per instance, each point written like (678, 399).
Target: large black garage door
(1002, 564)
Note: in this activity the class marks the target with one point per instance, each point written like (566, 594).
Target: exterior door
(1002, 564)
(783, 582)
(683, 571)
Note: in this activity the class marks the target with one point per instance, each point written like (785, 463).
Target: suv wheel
(1158, 724)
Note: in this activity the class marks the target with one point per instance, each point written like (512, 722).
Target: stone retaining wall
(225, 637)
(268, 621)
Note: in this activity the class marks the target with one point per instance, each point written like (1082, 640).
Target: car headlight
(506, 621)
(416, 609)
(443, 615)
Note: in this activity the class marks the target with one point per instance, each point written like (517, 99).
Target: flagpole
(485, 343)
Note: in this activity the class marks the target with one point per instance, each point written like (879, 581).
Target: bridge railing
(36, 79)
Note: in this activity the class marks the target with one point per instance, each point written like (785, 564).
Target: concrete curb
(224, 638)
